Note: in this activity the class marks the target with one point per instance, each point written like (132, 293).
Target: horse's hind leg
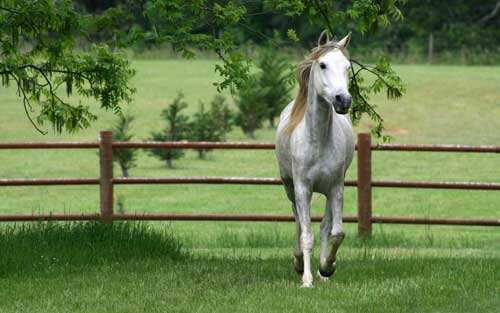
(298, 257)
(332, 233)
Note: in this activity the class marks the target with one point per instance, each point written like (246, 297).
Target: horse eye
(322, 65)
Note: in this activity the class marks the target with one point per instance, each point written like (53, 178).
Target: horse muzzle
(342, 103)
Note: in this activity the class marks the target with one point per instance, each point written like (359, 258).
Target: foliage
(126, 158)
(454, 22)
(37, 42)
(204, 26)
(462, 28)
(252, 110)
(217, 26)
(177, 129)
(201, 128)
(222, 116)
(267, 92)
(211, 125)
(385, 78)
(275, 81)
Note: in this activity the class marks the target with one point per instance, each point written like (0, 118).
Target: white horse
(314, 148)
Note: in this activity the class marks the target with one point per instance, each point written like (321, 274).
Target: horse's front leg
(298, 256)
(332, 233)
(302, 204)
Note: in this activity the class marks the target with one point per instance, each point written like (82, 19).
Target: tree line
(461, 28)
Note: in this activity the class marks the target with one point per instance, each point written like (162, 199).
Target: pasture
(227, 267)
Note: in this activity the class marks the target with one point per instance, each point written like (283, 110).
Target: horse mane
(303, 73)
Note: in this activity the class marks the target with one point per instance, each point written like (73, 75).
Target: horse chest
(324, 169)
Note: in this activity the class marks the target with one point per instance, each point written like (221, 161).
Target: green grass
(243, 266)
(89, 267)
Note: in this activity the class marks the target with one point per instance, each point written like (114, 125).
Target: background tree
(177, 129)
(475, 21)
(252, 109)
(211, 125)
(221, 116)
(275, 82)
(38, 55)
(201, 128)
(126, 158)
(454, 26)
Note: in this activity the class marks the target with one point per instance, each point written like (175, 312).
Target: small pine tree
(222, 116)
(275, 83)
(177, 129)
(252, 108)
(126, 158)
(202, 128)
(212, 125)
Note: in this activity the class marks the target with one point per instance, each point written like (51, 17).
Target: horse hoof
(329, 271)
(298, 265)
(306, 285)
(322, 278)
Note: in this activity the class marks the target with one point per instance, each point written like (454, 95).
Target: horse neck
(318, 117)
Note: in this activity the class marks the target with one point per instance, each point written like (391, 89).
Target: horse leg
(326, 241)
(332, 234)
(298, 256)
(298, 260)
(302, 205)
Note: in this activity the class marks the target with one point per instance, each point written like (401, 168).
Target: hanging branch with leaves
(52, 27)
(38, 54)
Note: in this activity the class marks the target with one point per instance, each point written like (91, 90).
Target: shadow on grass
(37, 247)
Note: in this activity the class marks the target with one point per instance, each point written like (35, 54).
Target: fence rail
(364, 182)
(237, 145)
(236, 181)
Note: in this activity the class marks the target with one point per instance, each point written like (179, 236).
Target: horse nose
(344, 100)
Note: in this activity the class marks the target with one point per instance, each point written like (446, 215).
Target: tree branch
(364, 67)
(10, 10)
(363, 99)
(48, 83)
(324, 14)
(26, 104)
(491, 15)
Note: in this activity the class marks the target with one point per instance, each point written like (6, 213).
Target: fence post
(106, 176)
(364, 185)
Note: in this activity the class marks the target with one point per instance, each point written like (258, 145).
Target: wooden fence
(364, 182)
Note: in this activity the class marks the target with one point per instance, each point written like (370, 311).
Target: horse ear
(323, 38)
(344, 42)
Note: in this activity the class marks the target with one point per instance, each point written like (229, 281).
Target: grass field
(225, 267)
